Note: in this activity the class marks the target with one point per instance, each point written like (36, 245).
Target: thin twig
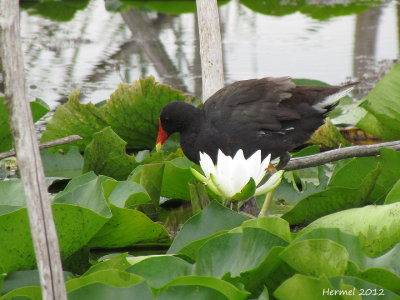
(62, 141)
(338, 154)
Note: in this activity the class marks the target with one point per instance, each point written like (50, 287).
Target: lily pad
(103, 291)
(66, 165)
(377, 236)
(328, 136)
(132, 112)
(74, 118)
(161, 269)
(38, 107)
(383, 103)
(212, 219)
(339, 194)
(201, 287)
(316, 257)
(128, 227)
(106, 155)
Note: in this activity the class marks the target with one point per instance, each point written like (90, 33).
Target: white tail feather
(331, 99)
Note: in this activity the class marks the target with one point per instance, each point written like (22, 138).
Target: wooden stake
(43, 230)
(210, 47)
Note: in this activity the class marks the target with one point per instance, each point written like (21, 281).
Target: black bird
(271, 114)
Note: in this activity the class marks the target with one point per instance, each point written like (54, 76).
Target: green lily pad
(19, 279)
(176, 177)
(110, 277)
(67, 165)
(377, 236)
(128, 194)
(328, 136)
(128, 227)
(117, 262)
(201, 287)
(103, 291)
(239, 257)
(274, 225)
(75, 226)
(26, 292)
(212, 219)
(87, 191)
(383, 102)
(316, 257)
(106, 155)
(389, 260)
(38, 107)
(159, 270)
(132, 112)
(304, 287)
(74, 118)
(361, 173)
(394, 194)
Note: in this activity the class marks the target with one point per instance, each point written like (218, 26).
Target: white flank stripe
(331, 99)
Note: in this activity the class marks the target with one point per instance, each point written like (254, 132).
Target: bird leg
(283, 160)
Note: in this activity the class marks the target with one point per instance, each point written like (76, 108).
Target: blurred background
(94, 45)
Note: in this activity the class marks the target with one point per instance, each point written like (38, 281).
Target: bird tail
(330, 101)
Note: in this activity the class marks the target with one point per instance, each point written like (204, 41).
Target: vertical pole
(210, 47)
(43, 230)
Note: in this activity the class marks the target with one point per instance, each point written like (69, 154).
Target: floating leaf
(74, 118)
(39, 108)
(340, 194)
(304, 287)
(127, 228)
(383, 103)
(377, 235)
(328, 136)
(159, 270)
(106, 155)
(212, 219)
(316, 257)
(66, 165)
(132, 112)
(201, 287)
(27, 292)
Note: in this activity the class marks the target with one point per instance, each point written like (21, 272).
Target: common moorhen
(271, 114)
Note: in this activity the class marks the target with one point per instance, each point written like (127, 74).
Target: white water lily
(231, 175)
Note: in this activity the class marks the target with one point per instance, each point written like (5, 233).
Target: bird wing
(252, 103)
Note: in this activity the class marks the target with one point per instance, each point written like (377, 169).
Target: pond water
(97, 49)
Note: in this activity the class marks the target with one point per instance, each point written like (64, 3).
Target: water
(96, 50)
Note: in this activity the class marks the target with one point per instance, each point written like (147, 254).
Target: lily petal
(271, 184)
(207, 164)
(221, 189)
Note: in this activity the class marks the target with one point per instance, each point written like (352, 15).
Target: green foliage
(383, 107)
(132, 112)
(38, 108)
(218, 253)
(58, 164)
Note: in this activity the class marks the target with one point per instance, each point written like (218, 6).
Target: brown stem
(62, 141)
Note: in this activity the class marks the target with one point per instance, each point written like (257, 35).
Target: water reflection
(97, 49)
